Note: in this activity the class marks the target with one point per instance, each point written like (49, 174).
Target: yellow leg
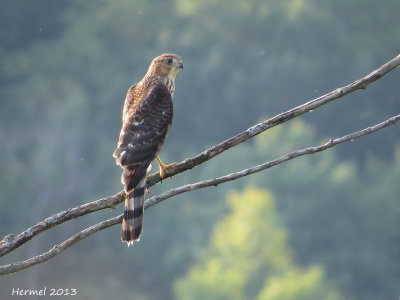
(163, 167)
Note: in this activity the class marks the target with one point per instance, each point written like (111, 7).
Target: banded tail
(133, 214)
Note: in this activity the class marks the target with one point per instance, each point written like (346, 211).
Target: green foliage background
(65, 67)
(248, 258)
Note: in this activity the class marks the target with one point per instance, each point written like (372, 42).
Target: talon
(163, 167)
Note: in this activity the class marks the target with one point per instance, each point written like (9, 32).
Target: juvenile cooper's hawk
(146, 118)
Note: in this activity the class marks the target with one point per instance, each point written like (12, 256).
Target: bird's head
(166, 65)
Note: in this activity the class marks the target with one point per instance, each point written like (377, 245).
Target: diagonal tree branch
(233, 176)
(279, 119)
(57, 249)
(11, 242)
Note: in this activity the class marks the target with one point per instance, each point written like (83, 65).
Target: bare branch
(9, 242)
(57, 249)
(233, 176)
(14, 267)
(278, 119)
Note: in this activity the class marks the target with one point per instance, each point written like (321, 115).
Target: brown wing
(146, 124)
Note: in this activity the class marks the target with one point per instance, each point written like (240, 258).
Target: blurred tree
(248, 257)
(308, 284)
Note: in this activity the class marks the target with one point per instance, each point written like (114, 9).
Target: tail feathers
(132, 175)
(133, 214)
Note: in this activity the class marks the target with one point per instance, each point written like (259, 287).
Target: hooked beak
(180, 66)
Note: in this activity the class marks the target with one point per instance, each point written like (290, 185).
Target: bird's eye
(169, 61)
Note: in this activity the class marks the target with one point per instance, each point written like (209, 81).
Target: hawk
(146, 119)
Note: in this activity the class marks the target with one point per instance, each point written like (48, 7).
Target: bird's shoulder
(153, 90)
(143, 96)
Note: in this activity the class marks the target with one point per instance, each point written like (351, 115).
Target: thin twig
(14, 267)
(11, 242)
